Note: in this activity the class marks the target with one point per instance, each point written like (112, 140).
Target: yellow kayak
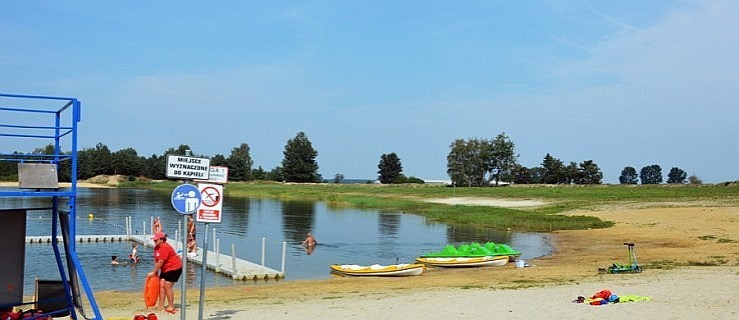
(465, 261)
(393, 270)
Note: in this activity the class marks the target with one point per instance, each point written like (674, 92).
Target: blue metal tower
(24, 121)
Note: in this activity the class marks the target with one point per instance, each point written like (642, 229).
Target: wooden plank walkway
(237, 269)
(244, 270)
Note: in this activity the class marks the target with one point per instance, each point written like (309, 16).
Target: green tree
(299, 162)
(522, 175)
(628, 176)
(589, 173)
(338, 178)
(274, 175)
(259, 173)
(155, 167)
(127, 162)
(389, 167)
(571, 173)
(501, 158)
(219, 160)
(651, 174)
(240, 163)
(676, 175)
(94, 161)
(466, 164)
(554, 170)
(537, 174)
(693, 179)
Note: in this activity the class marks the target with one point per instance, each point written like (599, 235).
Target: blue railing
(25, 120)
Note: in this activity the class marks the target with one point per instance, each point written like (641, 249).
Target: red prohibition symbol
(210, 197)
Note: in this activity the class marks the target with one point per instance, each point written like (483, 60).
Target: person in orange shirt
(169, 266)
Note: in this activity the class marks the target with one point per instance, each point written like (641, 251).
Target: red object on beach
(603, 294)
(151, 291)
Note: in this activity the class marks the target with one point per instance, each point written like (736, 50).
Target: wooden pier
(237, 269)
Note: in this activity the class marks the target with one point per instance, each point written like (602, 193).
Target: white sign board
(188, 167)
(211, 203)
(217, 175)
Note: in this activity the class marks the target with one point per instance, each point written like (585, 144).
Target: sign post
(186, 200)
(209, 211)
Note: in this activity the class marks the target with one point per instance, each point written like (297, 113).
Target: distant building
(438, 182)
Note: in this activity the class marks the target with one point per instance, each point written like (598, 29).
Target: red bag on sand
(603, 294)
(151, 291)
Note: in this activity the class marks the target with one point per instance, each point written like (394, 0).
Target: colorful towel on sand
(605, 297)
(633, 298)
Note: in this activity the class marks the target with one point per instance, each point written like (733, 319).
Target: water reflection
(389, 223)
(471, 233)
(298, 219)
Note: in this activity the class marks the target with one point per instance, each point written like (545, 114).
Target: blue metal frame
(69, 111)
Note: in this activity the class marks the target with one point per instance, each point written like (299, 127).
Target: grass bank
(547, 217)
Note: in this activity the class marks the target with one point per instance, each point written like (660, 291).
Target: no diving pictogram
(210, 197)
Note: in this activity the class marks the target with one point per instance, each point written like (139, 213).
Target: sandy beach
(690, 256)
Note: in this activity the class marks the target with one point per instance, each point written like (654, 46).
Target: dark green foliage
(299, 162)
(571, 173)
(651, 174)
(628, 176)
(389, 167)
(155, 166)
(554, 170)
(466, 163)
(274, 174)
(693, 179)
(127, 162)
(475, 162)
(522, 175)
(219, 160)
(338, 178)
(589, 173)
(259, 174)
(95, 161)
(676, 175)
(240, 163)
(501, 158)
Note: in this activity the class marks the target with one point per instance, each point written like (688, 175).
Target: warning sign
(211, 203)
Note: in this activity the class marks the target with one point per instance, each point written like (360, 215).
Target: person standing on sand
(169, 266)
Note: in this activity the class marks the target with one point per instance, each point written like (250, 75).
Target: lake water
(345, 236)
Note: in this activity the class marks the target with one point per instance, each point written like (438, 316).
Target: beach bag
(603, 294)
(151, 291)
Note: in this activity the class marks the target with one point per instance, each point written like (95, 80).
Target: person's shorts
(171, 276)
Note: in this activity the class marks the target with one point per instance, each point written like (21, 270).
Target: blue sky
(622, 83)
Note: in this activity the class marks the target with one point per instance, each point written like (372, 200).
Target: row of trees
(298, 165)
(481, 162)
(470, 163)
(652, 174)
